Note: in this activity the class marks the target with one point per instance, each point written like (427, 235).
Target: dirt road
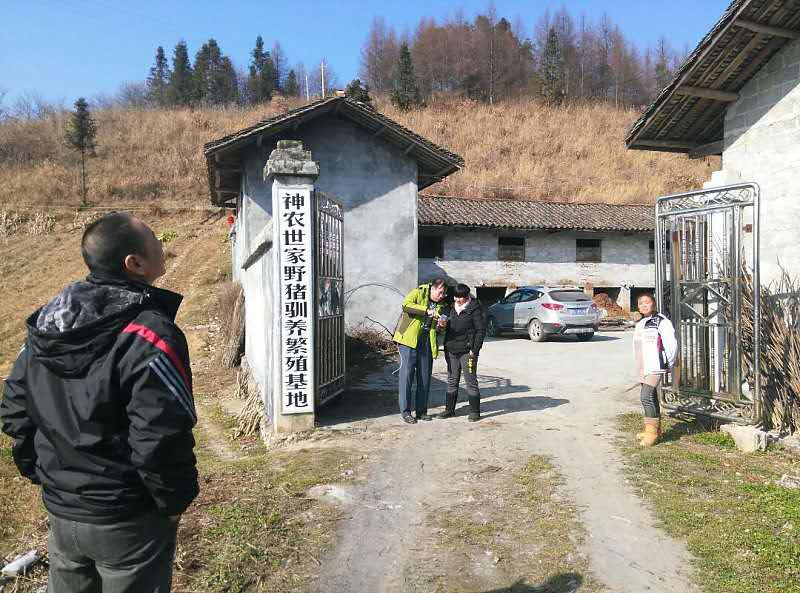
(555, 399)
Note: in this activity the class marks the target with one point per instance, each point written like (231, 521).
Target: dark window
(514, 297)
(529, 295)
(511, 248)
(652, 251)
(588, 250)
(569, 296)
(431, 247)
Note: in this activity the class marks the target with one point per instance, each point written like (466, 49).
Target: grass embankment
(517, 149)
(742, 528)
(521, 527)
(251, 527)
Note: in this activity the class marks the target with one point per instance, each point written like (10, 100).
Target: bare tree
(331, 79)
(133, 94)
(31, 105)
(281, 65)
(379, 56)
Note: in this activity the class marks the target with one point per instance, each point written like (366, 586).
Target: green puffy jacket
(409, 326)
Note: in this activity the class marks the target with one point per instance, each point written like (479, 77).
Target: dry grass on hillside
(573, 153)
(518, 149)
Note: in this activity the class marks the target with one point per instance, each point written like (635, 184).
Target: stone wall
(762, 144)
(471, 256)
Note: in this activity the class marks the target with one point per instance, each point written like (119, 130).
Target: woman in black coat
(466, 329)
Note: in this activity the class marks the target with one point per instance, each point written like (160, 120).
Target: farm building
(495, 245)
(738, 96)
(370, 164)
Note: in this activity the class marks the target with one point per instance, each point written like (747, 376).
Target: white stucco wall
(762, 144)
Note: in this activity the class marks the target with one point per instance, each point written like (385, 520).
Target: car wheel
(536, 331)
(585, 337)
(491, 328)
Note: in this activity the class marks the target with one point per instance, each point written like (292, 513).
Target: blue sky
(70, 48)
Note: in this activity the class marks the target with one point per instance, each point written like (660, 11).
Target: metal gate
(706, 253)
(329, 280)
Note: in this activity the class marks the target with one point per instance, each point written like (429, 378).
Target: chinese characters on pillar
(297, 292)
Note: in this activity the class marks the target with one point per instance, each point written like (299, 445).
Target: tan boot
(652, 431)
(641, 435)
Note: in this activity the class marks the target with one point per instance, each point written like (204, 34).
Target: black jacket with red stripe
(99, 403)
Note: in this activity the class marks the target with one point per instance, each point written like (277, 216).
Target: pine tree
(405, 94)
(181, 91)
(261, 82)
(214, 76)
(291, 88)
(358, 92)
(80, 134)
(158, 81)
(552, 69)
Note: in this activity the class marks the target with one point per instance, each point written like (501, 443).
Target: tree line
(490, 59)
(212, 79)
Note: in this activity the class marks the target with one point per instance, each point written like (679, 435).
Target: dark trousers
(649, 396)
(456, 364)
(416, 363)
(133, 556)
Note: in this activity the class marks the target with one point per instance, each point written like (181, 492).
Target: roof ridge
(534, 201)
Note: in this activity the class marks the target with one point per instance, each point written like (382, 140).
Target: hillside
(519, 149)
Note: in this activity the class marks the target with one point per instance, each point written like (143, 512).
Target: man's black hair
(108, 241)
(461, 291)
(438, 282)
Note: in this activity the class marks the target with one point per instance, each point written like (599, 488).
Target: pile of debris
(612, 316)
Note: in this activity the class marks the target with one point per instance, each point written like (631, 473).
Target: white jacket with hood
(654, 345)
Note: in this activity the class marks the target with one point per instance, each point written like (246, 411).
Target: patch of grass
(719, 439)
(21, 512)
(252, 529)
(225, 420)
(742, 529)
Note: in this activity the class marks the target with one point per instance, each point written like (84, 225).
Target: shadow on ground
(362, 404)
(567, 582)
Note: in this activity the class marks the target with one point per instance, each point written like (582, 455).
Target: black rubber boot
(450, 406)
(474, 409)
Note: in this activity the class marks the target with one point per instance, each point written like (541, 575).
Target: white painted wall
(762, 144)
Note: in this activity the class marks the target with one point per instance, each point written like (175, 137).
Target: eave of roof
(533, 215)
(688, 115)
(435, 163)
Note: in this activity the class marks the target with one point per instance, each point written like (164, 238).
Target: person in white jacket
(655, 350)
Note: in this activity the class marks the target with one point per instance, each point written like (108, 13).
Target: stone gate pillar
(292, 172)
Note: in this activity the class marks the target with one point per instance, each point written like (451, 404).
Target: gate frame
(326, 206)
(707, 201)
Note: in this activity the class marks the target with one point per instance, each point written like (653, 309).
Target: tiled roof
(519, 214)
(688, 114)
(434, 162)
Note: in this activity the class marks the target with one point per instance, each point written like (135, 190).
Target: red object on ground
(231, 220)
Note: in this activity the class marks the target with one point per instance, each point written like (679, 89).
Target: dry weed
(36, 224)
(516, 149)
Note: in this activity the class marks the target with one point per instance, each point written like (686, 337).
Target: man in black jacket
(99, 404)
(466, 330)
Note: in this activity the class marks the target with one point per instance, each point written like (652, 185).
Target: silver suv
(543, 311)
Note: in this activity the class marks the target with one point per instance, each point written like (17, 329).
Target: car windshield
(569, 296)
